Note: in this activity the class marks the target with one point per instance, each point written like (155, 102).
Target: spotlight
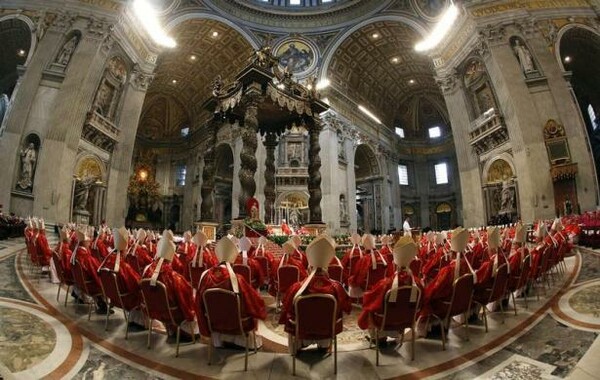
(21, 53)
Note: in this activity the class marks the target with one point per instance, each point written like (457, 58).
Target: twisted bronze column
(314, 173)
(270, 195)
(248, 162)
(207, 213)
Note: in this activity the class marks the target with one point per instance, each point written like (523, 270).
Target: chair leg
(126, 323)
(295, 352)
(485, 317)
(466, 317)
(58, 293)
(67, 295)
(335, 354)
(210, 348)
(377, 347)
(514, 303)
(412, 343)
(502, 311)
(246, 356)
(89, 310)
(149, 332)
(443, 326)
(255, 346)
(177, 347)
(107, 315)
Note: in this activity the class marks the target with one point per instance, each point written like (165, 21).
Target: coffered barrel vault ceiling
(184, 75)
(378, 67)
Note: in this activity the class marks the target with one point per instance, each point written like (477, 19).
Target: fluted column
(314, 173)
(207, 213)
(270, 195)
(248, 157)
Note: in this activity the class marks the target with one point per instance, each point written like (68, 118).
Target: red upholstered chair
(157, 306)
(223, 310)
(516, 282)
(244, 271)
(316, 326)
(459, 303)
(195, 274)
(62, 277)
(85, 284)
(114, 295)
(397, 316)
(415, 267)
(264, 266)
(496, 293)
(335, 272)
(375, 275)
(287, 275)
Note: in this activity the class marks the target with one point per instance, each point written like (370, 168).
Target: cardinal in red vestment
(405, 250)
(261, 251)
(438, 259)
(518, 251)
(43, 249)
(244, 245)
(179, 290)
(89, 264)
(64, 254)
(351, 258)
(371, 268)
(286, 259)
(203, 257)
(222, 276)
(385, 250)
(320, 252)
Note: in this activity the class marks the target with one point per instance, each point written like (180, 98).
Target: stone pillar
(248, 158)
(56, 162)
(121, 162)
(207, 213)
(270, 143)
(314, 173)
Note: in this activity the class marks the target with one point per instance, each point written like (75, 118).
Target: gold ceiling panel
(216, 48)
(374, 66)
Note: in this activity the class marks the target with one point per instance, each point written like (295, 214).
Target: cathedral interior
(335, 115)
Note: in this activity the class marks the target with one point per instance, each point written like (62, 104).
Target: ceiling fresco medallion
(296, 54)
(430, 9)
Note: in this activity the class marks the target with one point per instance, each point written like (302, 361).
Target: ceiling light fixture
(375, 35)
(149, 18)
(174, 81)
(21, 53)
(215, 34)
(369, 114)
(323, 83)
(567, 59)
(193, 57)
(412, 81)
(395, 60)
(440, 30)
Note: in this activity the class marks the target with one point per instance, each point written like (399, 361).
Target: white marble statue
(82, 192)
(524, 56)
(28, 160)
(65, 54)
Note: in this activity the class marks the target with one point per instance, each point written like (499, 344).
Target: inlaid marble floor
(556, 337)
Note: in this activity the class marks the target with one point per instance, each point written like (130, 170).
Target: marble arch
(373, 167)
(31, 26)
(561, 33)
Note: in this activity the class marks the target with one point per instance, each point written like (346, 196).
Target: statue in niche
(28, 161)
(507, 197)
(524, 56)
(3, 108)
(343, 209)
(65, 54)
(341, 150)
(82, 191)
(103, 100)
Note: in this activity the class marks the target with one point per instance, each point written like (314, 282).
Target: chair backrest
(352, 264)
(158, 306)
(244, 271)
(264, 264)
(287, 275)
(375, 275)
(500, 282)
(335, 272)
(59, 268)
(525, 272)
(223, 311)
(81, 279)
(110, 286)
(400, 314)
(462, 292)
(415, 267)
(312, 325)
(195, 274)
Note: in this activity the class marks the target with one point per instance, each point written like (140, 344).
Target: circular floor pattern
(32, 343)
(578, 307)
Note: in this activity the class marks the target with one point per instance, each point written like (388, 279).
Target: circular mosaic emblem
(297, 55)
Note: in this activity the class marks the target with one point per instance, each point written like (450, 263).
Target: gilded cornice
(497, 7)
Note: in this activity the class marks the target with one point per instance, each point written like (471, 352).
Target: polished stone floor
(555, 337)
